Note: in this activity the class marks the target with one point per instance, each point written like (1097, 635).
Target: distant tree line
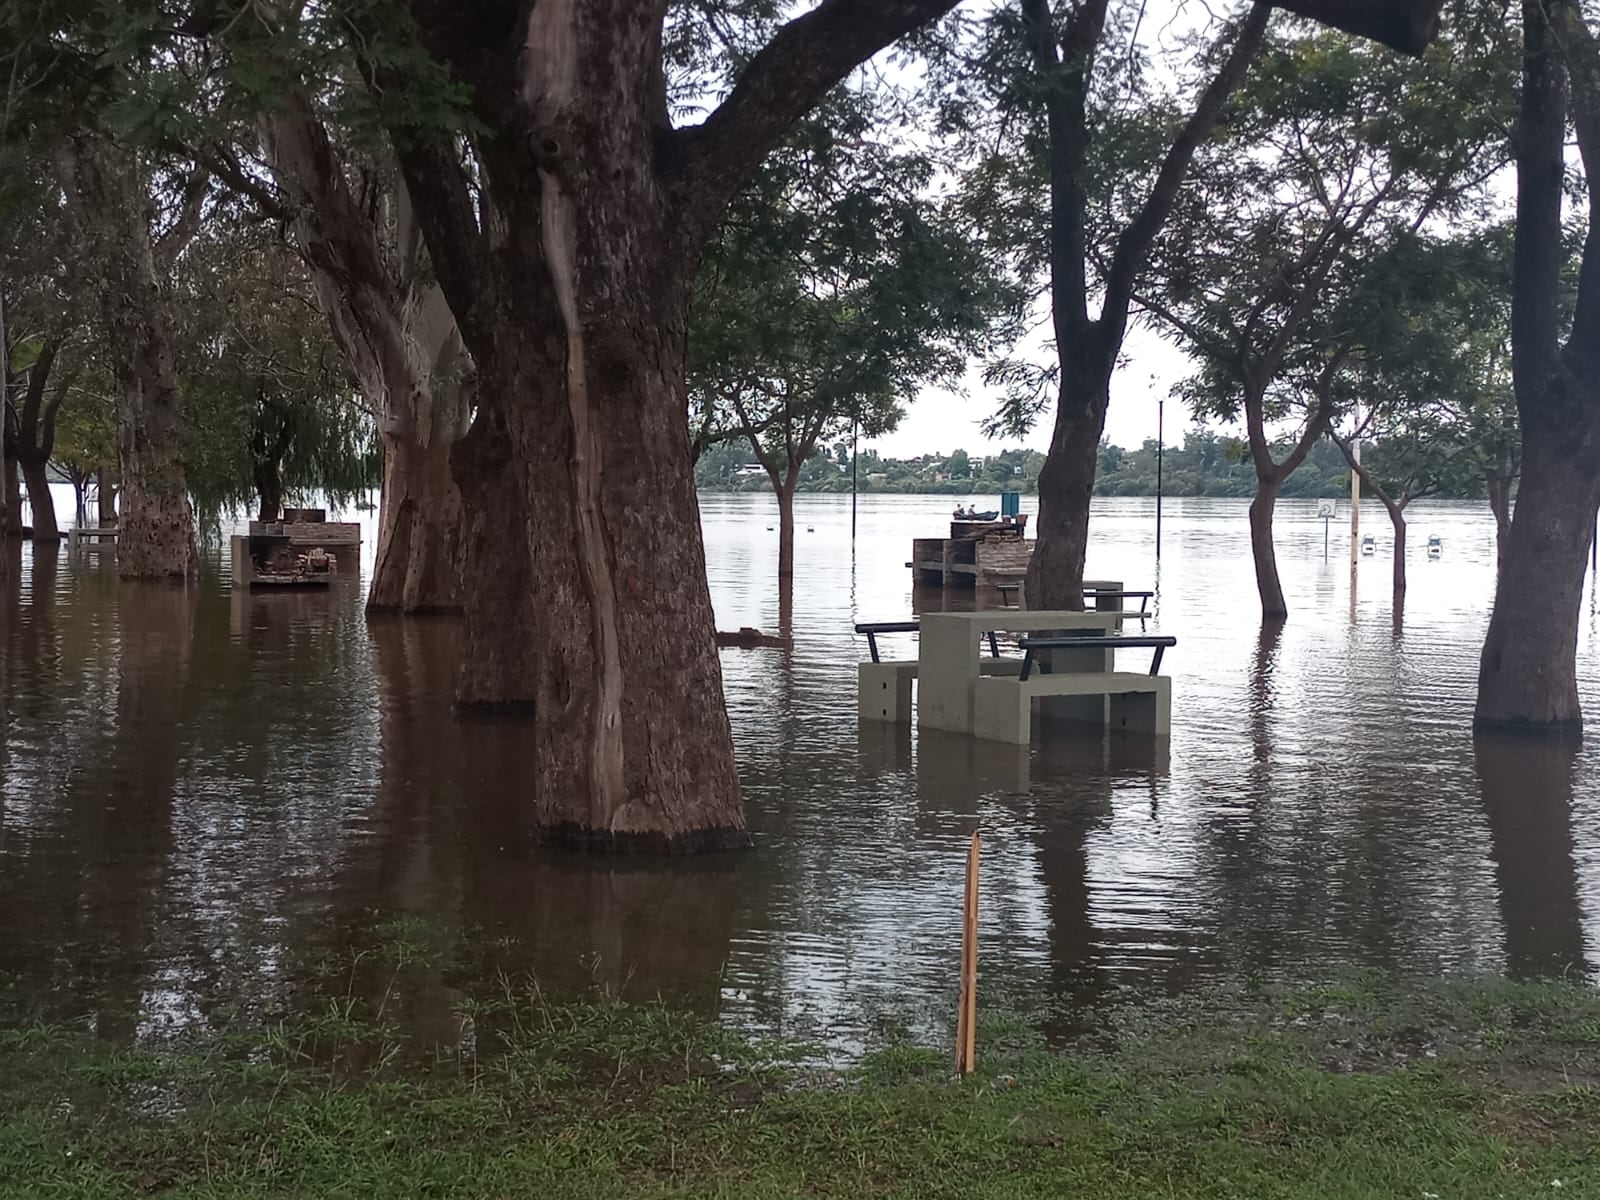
(1205, 464)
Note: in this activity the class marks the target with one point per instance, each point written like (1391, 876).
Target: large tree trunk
(418, 567)
(1527, 681)
(634, 753)
(1066, 491)
(112, 205)
(1273, 605)
(40, 500)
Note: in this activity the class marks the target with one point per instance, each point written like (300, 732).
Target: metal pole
(1355, 506)
(855, 433)
(1326, 521)
(1161, 448)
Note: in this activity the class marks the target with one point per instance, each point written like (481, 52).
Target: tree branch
(225, 165)
(1583, 72)
(1406, 25)
(805, 58)
(1133, 246)
(188, 223)
(1537, 254)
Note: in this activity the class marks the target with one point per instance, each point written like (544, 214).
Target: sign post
(1327, 510)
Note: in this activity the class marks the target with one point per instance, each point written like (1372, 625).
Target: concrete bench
(883, 689)
(1003, 708)
(1009, 593)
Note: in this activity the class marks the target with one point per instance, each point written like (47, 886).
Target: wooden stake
(967, 1011)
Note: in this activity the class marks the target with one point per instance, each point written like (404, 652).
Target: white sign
(1327, 508)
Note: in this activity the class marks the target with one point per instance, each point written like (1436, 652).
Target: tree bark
(1273, 605)
(13, 493)
(105, 497)
(1527, 679)
(1397, 518)
(1066, 490)
(785, 492)
(112, 205)
(391, 323)
(418, 566)
(1499, 489)
(40, 500)
(567, 261)
(1087, 347)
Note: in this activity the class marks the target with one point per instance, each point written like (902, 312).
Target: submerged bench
(1137, 703)
(883, 689)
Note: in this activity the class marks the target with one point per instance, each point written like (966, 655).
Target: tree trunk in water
(418, 567)
(112, 205)
(41, 501)
(105, 495)
(1499, 488)
(1273, 606)
(1397, 518)
(785, 492)
(1066, 490)
(13, 498)
(521, 491)
(1527, 681)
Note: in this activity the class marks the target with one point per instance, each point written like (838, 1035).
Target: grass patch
(1369, 1088)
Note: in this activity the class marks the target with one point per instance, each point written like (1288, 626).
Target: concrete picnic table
(949, 645)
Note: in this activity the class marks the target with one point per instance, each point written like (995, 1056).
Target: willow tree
(1527, 679)
(271, 414)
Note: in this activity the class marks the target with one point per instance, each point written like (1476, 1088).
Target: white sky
(939, 421)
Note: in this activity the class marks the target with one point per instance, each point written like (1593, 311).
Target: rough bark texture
(112, 206)
(584, 587)
(390, 321)
(1527, 680)
(418, 567)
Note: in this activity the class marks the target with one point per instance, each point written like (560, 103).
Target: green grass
(1368, 1088)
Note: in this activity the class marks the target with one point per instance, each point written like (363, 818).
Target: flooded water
(205, 790)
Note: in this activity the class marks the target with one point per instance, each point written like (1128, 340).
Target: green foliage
(1283, 263)
(840, 283)
(262, 382)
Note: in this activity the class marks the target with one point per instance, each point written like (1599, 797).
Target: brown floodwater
(206, 794)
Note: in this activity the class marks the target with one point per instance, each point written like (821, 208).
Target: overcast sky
(939, 421)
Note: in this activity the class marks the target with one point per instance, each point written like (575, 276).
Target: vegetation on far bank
(1364, 1088)
(1205, 463)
